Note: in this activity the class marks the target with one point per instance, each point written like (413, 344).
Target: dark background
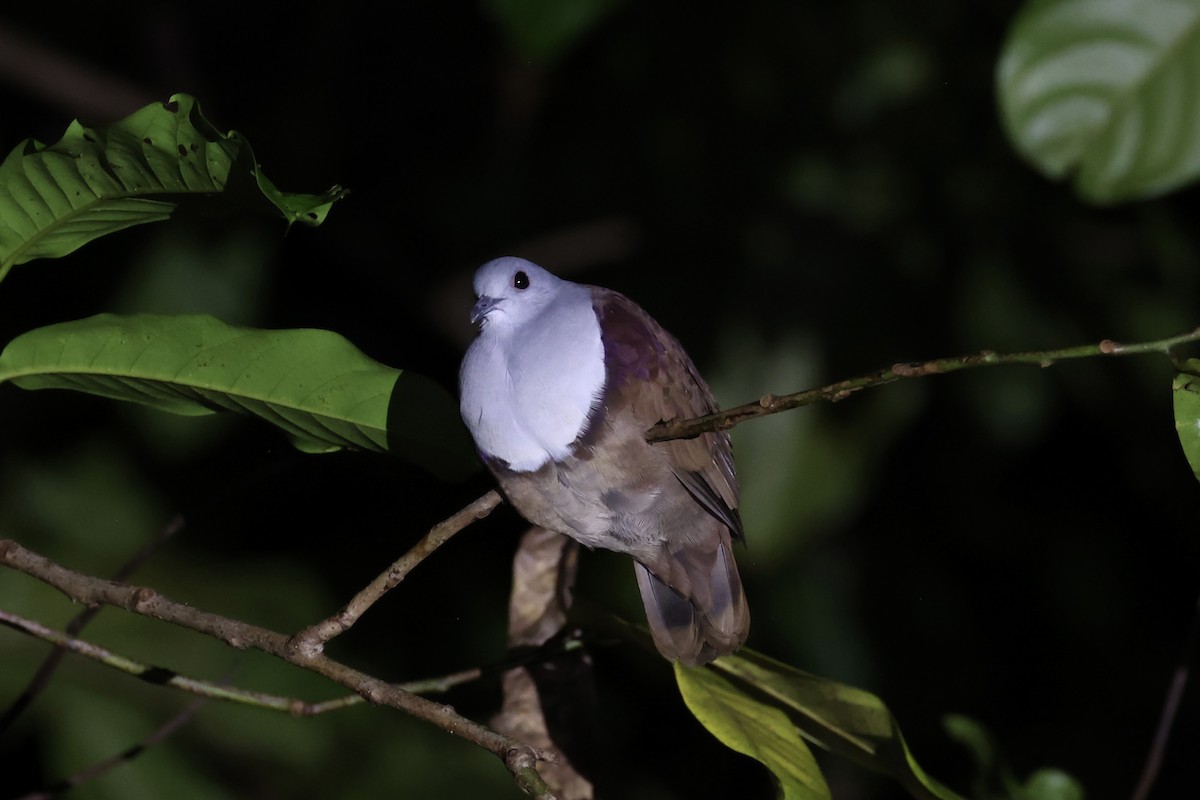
(801, 194)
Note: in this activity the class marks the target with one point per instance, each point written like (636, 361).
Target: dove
(558, 390)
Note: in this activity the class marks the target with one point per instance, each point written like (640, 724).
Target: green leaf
(102, 179)
(753, 728)
(1186, 391)
(1106, 90)
(313, 384)
(842, 719)
(994, 778)
(1052, 784)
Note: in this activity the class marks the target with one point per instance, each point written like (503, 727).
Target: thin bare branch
(46, 670)
(148, 602)
(1170, 707)
(834, 392)
(94, 771)
(443, 683)
(162, 676)
(312, 639)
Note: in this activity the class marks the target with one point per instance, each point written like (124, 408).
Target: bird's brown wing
(650, 374)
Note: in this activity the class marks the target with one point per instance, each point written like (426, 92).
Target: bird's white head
(512, 291)
(531, 377)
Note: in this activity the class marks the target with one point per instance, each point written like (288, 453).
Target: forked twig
(312, 640)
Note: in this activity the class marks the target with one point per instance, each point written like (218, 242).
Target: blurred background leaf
(542, 31)
(994, 779)
(1105, 91)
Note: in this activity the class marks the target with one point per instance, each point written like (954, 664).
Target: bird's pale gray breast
(527, 392)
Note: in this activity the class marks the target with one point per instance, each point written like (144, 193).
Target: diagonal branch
(518, 757)
(42, 677)
(162, 676)
(312, 639)
(107, 765)
(1170, 707)
(834, 392)
(211, 690)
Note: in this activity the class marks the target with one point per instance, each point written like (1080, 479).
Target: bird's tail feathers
(705, 616)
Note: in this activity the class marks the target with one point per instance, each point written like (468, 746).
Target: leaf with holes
(312, 384)
(100, 179)
(1107, 90)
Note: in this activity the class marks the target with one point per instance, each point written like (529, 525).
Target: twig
(443, 683)
(312, 640)
(165, 677)
(47, 668)
(834, 392)
(99, 768)
(1170, 707)
(147, 602)
(162, 676)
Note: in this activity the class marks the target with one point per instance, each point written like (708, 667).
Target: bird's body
(558, 391)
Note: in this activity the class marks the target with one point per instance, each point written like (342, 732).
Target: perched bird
(558, 391)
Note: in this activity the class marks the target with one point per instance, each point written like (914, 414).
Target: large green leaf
(754, 728)
(1108, 90)
(1186, 391)
(101, 179)
(842, 719)
(313, 384)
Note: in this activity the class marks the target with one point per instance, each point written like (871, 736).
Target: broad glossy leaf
(1186, 391)
(842, 719)
(1107, 90)
(313, 384)
(101, 179)
(754, 728)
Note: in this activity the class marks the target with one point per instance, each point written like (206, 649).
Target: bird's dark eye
(521, 280)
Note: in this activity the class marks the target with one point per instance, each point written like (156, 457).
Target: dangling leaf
(1108, 90)
(754, 728)
(841, 719)
(312, 384)
(101, 179)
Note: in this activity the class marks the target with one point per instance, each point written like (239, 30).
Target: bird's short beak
(481, 308)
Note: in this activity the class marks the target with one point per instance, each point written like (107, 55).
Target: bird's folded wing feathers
(650, 373)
